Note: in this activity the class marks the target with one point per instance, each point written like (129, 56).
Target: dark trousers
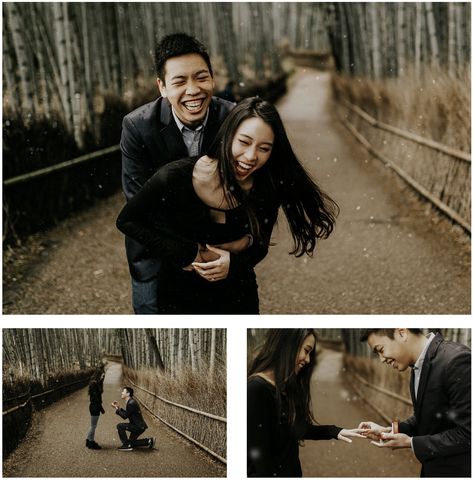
(135, 432)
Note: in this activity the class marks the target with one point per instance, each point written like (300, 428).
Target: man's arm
(136, 165)
(457, 378)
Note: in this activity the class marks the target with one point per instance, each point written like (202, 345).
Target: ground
(336, 404)
(55, 445)
(389, 253)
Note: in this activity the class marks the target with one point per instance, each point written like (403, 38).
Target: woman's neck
(267, 375)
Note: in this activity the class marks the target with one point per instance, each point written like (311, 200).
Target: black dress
(272, 445)
(170, 220)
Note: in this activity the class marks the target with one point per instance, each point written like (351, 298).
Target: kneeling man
(136, 424)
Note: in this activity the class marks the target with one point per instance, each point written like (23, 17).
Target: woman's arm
(254, 254)
(139, 219)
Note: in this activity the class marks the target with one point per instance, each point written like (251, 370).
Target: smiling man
(181, 123)
(439, 431)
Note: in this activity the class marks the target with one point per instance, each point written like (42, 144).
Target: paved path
(335, 404)
(386, 256)
(55, 446)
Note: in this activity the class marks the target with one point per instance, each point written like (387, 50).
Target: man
(136, 425)
(182, 122)
(439, 432)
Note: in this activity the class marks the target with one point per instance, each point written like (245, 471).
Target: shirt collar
(421, 358)
(182, 126)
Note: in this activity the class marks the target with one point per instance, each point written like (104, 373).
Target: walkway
(386, 256)
(335, 404)
(55, 446)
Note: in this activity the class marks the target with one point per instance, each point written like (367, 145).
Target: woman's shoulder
(258, 383)
(177, 168)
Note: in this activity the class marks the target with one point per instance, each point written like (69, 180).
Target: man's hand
(214, 270)
(393, 441)
(373, 430)
(115, 405)
(236, 246)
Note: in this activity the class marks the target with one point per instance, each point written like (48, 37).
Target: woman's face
(251, 147)
(303, 357)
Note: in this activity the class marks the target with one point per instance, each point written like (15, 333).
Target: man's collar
(181, 125)
(421, 358)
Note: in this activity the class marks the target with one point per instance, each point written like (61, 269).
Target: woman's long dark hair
(278, 354)
(311, 213)
(96, 382)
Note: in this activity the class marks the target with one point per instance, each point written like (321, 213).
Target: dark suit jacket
(151, 139)
(441, 424)
(133, 413)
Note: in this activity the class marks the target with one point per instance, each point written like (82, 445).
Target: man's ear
(402, 333)
(161, 87)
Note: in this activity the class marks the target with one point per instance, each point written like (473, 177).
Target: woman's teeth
(244, 166)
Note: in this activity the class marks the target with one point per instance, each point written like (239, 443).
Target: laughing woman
(209, 219)
(278, 405)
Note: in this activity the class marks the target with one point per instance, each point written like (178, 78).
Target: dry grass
(433, 105)
(195, 390)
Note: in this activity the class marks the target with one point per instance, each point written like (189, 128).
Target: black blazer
(441, 424)
(133, 413)
(151, 139)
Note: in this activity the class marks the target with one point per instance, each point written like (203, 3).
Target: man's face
(124, 393)
(188, 86)
(394, 352)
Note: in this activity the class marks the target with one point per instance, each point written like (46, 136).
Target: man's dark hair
(387, 332)
(175, 45)
(129, 390)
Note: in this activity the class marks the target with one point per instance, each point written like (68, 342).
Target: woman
(96, 387)
(278, 405)
(210, 219)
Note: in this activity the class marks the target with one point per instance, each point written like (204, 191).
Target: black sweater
(272, 445)
(170, 220)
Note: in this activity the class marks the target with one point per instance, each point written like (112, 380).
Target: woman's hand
(203, 255)
(373, 430)
(345, 433)
(214, 270)
(236, 246)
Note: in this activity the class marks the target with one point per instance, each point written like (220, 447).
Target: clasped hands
(212, 262)
(383, 437)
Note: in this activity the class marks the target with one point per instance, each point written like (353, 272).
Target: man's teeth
(194, 105)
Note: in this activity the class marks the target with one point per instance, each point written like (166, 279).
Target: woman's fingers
(344, 439)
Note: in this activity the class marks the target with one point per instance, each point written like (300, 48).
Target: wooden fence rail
(38, 395)
(60, 166)
(452, 152)
(452, 214)
(184, 407)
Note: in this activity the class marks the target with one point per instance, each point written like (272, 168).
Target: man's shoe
(151, 443)
(125, 448)
(88, 443)
(94, 446)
